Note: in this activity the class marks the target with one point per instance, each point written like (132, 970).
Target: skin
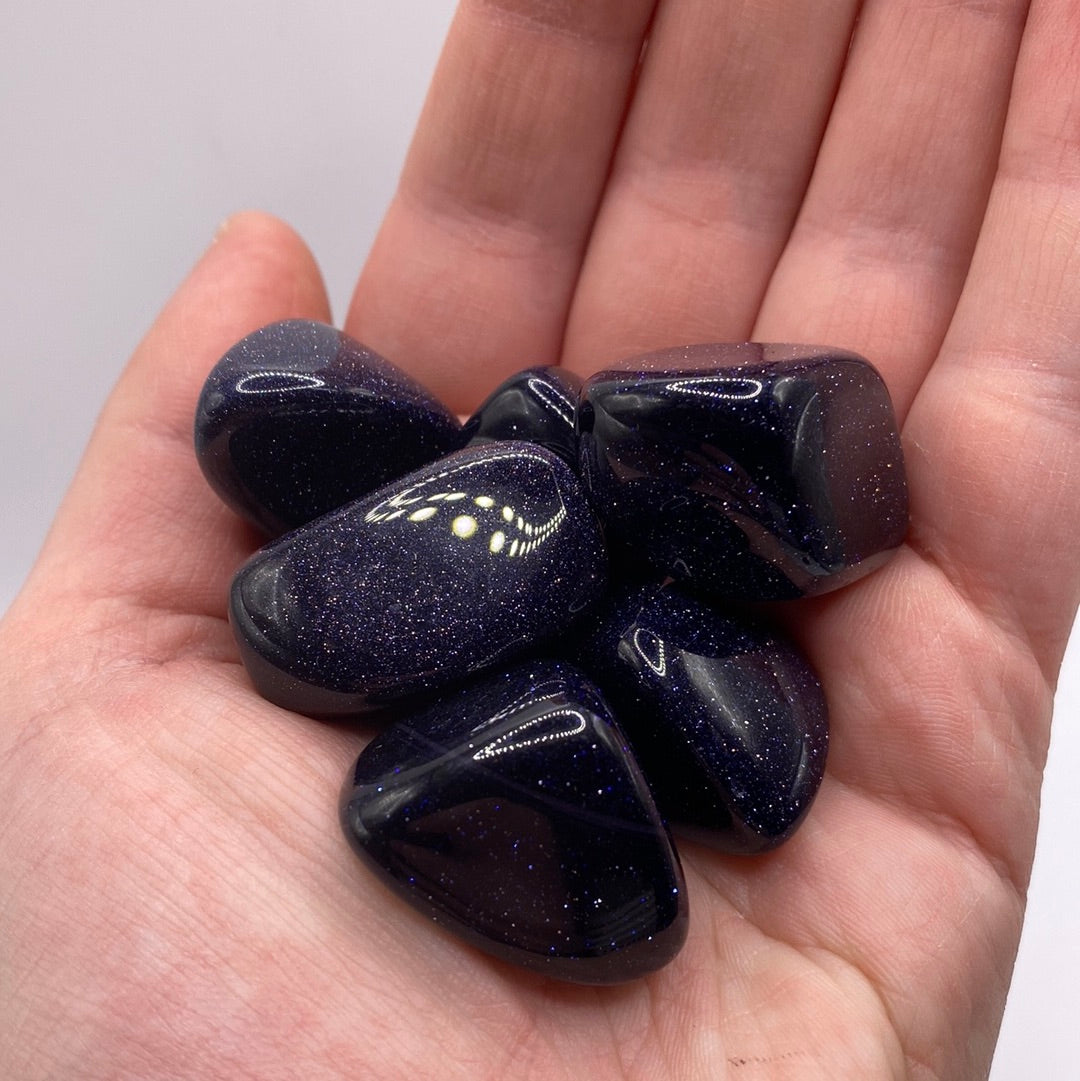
(177, 900)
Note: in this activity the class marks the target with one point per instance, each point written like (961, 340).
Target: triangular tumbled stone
(514, 815)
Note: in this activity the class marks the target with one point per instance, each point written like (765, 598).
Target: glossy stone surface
(297, 419)
(728, 721)
(755, 471)
(513, 815)
(536, 405)
(460, 565)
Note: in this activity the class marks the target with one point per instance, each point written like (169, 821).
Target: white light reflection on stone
(513, 740)
(464, 526)
(737, 388)
(709, 685)
(551, 399)
(498, 534)
(272, 382)
(651, 649)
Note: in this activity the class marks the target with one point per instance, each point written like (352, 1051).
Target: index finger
(471, 275)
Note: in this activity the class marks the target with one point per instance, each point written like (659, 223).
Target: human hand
(179, 901)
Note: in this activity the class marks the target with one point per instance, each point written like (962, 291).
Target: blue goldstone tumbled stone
(512, 814)
(755, 471)
(536, 405)
(728, 722)
(297, 419)
(454, 568)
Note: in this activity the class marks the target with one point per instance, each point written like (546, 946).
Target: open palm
(177, 899)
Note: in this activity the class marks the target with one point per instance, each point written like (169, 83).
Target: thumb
(139, 522)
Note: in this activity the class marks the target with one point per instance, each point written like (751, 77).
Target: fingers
(471, 275)
(993, 435)
(717, 151)
(883, 240)
(139, 519)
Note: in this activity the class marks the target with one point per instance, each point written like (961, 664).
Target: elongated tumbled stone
(460, 565)
(753, 471)
(728, 721)
(536, 405)
(297, 419)
(513, 814)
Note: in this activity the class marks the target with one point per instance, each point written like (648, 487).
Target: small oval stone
(763, 472)
(462, 564)
(536, 405)
(298, 418)
(727, 720)
(512, 814)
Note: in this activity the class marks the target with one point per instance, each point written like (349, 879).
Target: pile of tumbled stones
(544, 603)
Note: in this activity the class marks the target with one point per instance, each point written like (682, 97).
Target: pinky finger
(994, 434)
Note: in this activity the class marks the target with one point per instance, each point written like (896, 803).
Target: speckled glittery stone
(459, 566)
(536, 405)
(728, 721)
(754, 471)
(513, 815)
(297, 419)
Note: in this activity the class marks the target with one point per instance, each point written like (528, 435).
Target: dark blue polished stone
(536, 405)
(297, 419)
(727, 721)
(755, 471)
(454, 568)
(513, 814)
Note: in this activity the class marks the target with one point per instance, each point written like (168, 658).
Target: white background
(130, 128)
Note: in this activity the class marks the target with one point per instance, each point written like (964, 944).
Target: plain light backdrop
(131, 128)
